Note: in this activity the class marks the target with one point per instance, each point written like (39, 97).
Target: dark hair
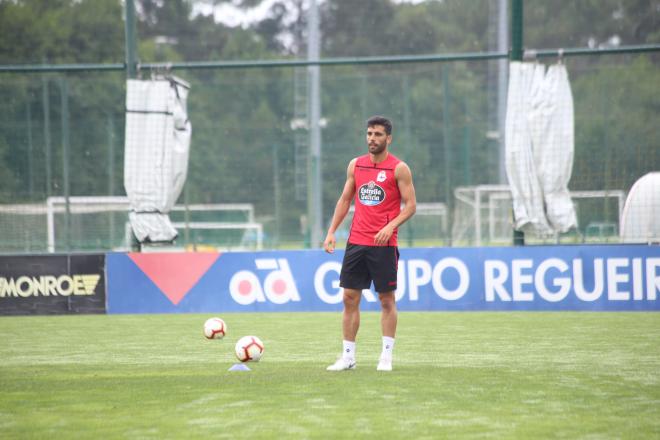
(380, 120)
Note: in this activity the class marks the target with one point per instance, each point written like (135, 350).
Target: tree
(591, 23)
(241, 117)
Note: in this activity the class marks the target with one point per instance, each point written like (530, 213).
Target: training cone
(239, 367)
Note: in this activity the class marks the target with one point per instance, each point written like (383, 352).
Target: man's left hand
(383, 236)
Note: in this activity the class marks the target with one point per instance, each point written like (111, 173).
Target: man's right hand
(330, 243)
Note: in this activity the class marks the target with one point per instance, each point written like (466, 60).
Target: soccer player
(380, 183)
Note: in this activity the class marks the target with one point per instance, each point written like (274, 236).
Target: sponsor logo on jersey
(371, 194)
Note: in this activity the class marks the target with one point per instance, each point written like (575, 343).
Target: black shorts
(364, 264)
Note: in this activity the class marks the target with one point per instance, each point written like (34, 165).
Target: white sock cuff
(388, 347)
(349, 349)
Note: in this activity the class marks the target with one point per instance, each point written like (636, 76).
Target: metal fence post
(517, 55)
(130, 44)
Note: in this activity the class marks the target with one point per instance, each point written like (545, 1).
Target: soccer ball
(249, 348)
(215, 328)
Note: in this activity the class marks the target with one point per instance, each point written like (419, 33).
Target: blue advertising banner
(605, 278)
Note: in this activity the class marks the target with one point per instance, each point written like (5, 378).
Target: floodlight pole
(517, 55)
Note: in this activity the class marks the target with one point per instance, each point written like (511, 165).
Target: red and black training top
(377, 199)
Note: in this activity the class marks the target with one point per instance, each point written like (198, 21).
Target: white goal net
(428, 227)
(483, 216)
(100, 223)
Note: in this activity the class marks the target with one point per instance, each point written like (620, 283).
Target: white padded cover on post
(157, 145)
(539, 147)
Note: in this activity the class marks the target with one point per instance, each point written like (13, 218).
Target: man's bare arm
(342, 207)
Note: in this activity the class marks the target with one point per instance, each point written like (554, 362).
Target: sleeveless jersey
(377, 199)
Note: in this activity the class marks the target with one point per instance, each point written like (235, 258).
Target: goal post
(100, 223)
(428, 227)
(483, 213)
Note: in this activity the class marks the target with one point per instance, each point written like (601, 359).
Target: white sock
(388, 346)
(349, 350)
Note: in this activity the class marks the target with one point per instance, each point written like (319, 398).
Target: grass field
(457, 375)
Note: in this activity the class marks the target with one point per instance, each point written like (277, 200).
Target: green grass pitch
(456, 375)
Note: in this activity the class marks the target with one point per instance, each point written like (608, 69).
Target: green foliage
(61, 31)
(241, 116)
(456, 375)
(593, 23)
(616, 98)
(8, 181)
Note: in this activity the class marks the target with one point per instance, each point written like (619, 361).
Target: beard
(377, 148)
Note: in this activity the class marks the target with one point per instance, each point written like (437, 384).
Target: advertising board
(52, 284)
(589, 278)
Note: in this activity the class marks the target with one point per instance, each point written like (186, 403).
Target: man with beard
(380, 183)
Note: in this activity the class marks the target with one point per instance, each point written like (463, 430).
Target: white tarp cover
(640, 222)
(539, 145)
(157, 145)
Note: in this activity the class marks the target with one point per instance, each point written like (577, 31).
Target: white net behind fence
(100, 223)
(483, 217)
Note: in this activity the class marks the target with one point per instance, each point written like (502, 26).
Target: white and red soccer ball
(249, 349)
(215, 328)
